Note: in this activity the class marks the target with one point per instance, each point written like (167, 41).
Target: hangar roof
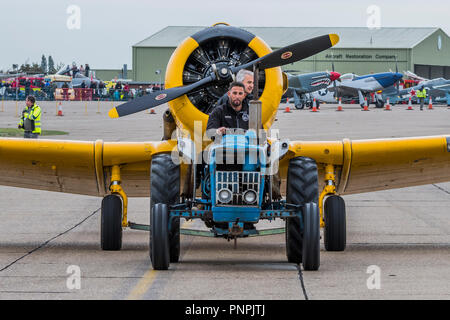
(277, 37)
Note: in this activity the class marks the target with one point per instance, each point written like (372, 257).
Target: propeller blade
(277, 58)
(155, 99)
(292, 53)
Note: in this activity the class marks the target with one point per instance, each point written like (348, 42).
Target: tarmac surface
(398, 241)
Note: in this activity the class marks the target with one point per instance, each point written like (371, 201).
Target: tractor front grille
(238, 182)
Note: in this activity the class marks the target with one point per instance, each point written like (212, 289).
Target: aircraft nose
(334, 75)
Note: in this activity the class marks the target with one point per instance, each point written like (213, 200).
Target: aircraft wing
(439, 90)
(343, 90)
(80, 167)
(84, 167)
(373, 165)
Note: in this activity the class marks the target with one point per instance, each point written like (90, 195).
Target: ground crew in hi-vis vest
(422, 94)
(30, 121)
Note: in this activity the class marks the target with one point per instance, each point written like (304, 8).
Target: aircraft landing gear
(379, 104)
(335, 224)
(114, 214)
(299, 106)
(332, 213)
(111, 223)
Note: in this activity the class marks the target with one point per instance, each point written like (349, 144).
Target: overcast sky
(101, 32)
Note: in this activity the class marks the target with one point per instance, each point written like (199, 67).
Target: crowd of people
(45, 89)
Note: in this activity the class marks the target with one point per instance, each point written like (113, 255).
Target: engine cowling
(219, 45)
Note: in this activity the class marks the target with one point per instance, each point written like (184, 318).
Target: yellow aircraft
(306, 190)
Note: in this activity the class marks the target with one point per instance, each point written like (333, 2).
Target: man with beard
(232, 114)
(246, 77)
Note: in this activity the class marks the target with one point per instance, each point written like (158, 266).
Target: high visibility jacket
(33, 117)
(422, 93)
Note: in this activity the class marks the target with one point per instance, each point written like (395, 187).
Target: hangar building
(425, 51)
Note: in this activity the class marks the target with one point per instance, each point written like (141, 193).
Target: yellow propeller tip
(113, 113)
(334, 38)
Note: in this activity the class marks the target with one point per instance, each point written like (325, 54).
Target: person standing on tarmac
(30, 121)
(233, 114)
(422, 94)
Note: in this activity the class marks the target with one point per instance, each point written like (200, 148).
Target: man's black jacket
(224, 116)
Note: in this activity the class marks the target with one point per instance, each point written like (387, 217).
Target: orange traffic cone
(430, 105)
(287, 110)
(410, 107)
(388, 105)
(60, 113)
(152, 111)
(314, 108)
(366, 106)
(339, 108)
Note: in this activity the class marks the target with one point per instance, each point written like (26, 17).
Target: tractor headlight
(250, 196)
(225, 196)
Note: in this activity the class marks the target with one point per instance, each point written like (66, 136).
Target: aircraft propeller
(280, 57)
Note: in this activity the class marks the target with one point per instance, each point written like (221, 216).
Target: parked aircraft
(351, 86)
(301, 85)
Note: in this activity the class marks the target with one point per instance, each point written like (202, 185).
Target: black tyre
(335, 224)
(300, 106)
(159, 237)
(302, 188)
(111, 223)
(311, 237)
(165, 188)
(379, 104)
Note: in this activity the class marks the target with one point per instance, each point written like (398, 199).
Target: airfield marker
(410, 107)
(314, 109)
(366, 106)
(339, 108)
(388, 105)
(60, 113)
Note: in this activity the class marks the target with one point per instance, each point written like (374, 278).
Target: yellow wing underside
(83, 167)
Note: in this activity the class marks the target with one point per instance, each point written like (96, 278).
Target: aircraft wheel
(302, 187)
(300, 106)
(165, 188)
(159, 237)
(379, 104)
(111, 223)
(311, 237)
(335, 224)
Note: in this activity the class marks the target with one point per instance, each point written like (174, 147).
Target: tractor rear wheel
(111, 223)
(165, 188)
(335, 224)
(159, 237)
(302, 188)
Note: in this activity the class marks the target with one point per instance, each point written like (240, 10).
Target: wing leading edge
(80, 167)
(382, 164)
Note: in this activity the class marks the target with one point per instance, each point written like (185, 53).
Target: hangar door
(431, 72)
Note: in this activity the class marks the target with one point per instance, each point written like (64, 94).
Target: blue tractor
(236, 186)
